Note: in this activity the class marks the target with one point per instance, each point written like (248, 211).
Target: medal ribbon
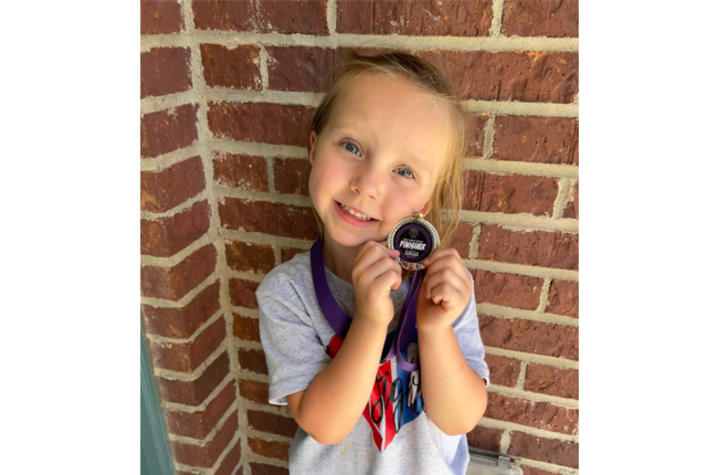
(340, 321)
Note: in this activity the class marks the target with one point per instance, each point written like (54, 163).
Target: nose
(366, 181)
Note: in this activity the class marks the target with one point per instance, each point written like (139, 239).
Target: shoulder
(295, 274)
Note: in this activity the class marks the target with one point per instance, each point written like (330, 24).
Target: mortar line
(184, 300)
(559, 204)
(523, 220)
(184, 341)
(205, 138)
(231, 39)
(180, 208)
(521, 380)
(497, 10)
(258, 149)
(166, 160)
(543, 298)
(531, 396)
(514, 427)
(474, 242)
(332, 17)
(509, 167)
(184, 439)
(249, 195)
(488, 148)
(562, 363)
(179, 407)
(197, 372)
(511, 313)
(176, 258)
(521, 269)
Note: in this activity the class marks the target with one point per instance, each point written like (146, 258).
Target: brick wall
(228, 91)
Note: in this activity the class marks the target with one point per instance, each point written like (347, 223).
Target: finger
(447, 270)
(371, 253)
(365, 275)
(441, 253)
(446, 276)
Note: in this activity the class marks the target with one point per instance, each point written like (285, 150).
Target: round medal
(415, 238)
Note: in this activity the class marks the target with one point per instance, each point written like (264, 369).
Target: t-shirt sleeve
(292, 348)
(466, 328)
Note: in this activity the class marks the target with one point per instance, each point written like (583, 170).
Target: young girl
(386, 143)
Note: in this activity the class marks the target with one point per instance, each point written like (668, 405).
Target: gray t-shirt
(393, 438)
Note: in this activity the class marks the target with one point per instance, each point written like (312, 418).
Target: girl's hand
(444, 292)
(374, 274)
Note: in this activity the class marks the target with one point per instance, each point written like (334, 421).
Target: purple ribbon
(340, 321)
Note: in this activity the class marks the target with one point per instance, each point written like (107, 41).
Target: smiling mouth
(355, 213)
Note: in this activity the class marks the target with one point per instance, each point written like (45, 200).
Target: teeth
(348, 210)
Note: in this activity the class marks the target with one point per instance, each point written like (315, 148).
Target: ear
(312, 146)
(425, 210)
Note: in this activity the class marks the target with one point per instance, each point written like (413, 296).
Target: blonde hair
(446, 198)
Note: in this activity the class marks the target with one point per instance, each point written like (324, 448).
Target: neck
(339, 259)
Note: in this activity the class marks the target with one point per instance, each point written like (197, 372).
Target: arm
(454, 395)
(343, 388)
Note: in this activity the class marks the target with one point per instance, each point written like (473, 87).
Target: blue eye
(351, 148)
(405, 172)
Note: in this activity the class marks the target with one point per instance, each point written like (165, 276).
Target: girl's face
(378, 158)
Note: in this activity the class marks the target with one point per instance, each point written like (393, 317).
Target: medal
(415, 238)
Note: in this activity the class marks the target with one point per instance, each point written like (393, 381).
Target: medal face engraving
(415, 238)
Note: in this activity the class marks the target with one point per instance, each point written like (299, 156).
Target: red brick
(165, 237)
(199, 424)
(223, 15)
(206, 455)
(291, 175)
(270, 218)
(241, 171)
(164, 71)
(548, 18)
(485, 438)
(294, 16)
(288, 253)
(282, 16)
(252, 360)
(542, 415)
(174, 282)
(249, 257)
(167, 188)
(527, 76)
(246, 328)
(571, 210)
(182, 322)
(160, 16)
(519, 291)
(529, 336)
(168, 130)
(236, 68)
(269, 448)
(266, 469)
(474, 136)
(509, 193)
(461, 239)
(532, 248)
(231, 460)
(547, 450)
(194, 392)
(562, 382)
(504, 371)
(536, 139)
(186, 357)
(300, 68)
(241, 292)
(414, 17)
(272, 423)
(256, 391)
(261, 122)
(563, 298)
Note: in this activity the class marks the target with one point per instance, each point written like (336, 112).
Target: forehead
(392, 112)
